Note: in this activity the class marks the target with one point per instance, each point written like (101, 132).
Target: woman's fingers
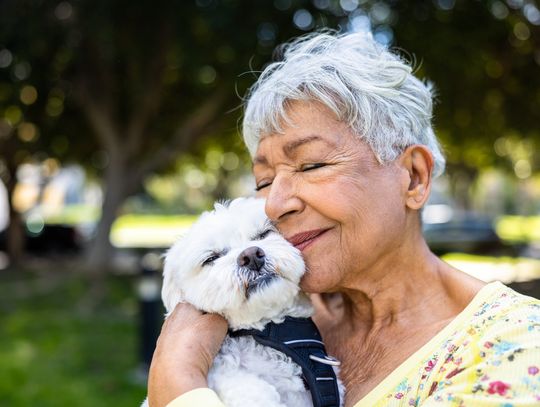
(185, 350)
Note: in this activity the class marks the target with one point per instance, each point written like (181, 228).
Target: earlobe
(419, 163)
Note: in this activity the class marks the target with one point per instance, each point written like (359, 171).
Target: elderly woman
(344, 153)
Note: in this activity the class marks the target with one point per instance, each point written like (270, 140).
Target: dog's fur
(203, 269)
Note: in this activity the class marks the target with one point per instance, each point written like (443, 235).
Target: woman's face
(330, 197)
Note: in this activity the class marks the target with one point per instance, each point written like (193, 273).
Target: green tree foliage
(126, 88)
(139, 83)
(484, 59)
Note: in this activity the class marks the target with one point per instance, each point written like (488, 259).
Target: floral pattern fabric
(489, 355)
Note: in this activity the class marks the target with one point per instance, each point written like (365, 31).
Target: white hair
(368, 87)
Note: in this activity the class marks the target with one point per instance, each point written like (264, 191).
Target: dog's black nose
(252, 258)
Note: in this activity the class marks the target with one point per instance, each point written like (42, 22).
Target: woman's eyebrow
(259, 160)
(289, 148)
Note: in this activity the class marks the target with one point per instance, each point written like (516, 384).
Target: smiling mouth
(304, 239)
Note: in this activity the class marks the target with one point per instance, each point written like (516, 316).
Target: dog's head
(233, 262)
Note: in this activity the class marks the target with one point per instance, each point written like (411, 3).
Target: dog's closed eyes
(264, 234)
(212, 256)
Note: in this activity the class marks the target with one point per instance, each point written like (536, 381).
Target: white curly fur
(244, 373)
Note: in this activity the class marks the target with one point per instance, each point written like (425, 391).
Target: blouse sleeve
(504, 368)
(197, 397)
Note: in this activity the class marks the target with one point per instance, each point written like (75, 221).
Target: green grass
(130, 230)
(478, 258)
(147, 230)
(56, 351)
(518, 228)
(75, 214)
(164, 221)
(488, 268)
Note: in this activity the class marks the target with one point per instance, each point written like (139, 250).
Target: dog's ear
(221, 204)
(171, 292)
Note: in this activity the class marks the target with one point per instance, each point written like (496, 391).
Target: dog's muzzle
(251, 264)
(253, 258)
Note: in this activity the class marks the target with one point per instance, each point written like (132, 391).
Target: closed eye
(264, 234)
(308, 167)
(261, 186)
(211, 259)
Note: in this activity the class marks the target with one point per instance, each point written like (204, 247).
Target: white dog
(234, 263)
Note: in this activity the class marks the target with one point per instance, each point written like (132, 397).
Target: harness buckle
(327, 360)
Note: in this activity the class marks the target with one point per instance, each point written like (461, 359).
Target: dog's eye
(211, 259)
(264, 234)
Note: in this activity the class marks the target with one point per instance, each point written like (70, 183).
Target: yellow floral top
(488, 356)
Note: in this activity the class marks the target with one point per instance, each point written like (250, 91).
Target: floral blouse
(488, 356)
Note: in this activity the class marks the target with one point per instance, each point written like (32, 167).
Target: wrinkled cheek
(319, 276)
(314, 284)
(307, 285)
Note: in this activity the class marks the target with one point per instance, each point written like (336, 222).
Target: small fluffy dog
(233, 262)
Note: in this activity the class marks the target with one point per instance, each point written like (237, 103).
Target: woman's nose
(282, 198)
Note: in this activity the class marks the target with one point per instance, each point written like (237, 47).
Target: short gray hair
(368, 87)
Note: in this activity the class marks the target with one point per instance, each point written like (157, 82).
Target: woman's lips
(304, 239)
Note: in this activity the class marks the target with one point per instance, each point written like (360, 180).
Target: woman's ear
(418, 161)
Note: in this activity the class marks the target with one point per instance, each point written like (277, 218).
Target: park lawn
(490, 268)
(154, 230)
(136, 230)
(158, 231)
(57, 351)
(518, 228)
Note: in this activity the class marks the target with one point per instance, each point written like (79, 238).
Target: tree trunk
(120, 179)
(15, 230)
(102, 251)
(15, 237)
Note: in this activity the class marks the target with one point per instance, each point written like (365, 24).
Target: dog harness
(300, 339)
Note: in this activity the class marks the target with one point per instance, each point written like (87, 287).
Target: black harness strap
(300, 339)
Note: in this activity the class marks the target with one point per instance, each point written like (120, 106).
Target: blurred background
(119, 124)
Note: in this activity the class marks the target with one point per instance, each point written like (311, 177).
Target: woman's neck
(419, 290)
(410, 294)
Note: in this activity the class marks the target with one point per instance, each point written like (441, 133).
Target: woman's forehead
(306, 124)
(290, 145)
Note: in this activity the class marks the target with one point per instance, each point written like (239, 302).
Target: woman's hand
(185, 350)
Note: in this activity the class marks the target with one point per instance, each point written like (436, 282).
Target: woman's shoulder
(496, 324)
(494, 356)
(504, 313)
(488, 355)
